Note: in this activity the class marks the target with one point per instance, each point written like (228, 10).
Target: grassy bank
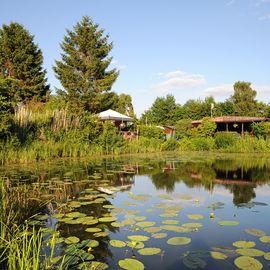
(39, 151)
(42, 132)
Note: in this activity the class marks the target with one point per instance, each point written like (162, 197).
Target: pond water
(168, 212)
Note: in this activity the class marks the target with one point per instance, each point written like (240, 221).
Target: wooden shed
(239, 124)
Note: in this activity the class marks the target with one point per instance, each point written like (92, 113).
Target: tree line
(83, 70)
(166, 111)
(36, 124)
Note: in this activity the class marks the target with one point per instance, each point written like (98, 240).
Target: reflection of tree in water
(240, 178)
(242, 193)
(165, 180)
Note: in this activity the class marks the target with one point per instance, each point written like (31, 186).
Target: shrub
(261, 129)
(182, 127)
(151, 132)
(197, 144)
(225, 139)
(170, 145)
(109, 140)
(207, 127)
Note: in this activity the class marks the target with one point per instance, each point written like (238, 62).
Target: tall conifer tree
(83, 70)
(21, 64)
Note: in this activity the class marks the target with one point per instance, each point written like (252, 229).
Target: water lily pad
(173, 208)
(57, 215)
(117, 224)
(146, 224)
(42, 217)
(128, 222)
(92, 243)
(135, 244)
(133, 212)
(93, 230)
(218, 255)
(140, 197)
(247, 263)
(149, 251)
(101, 234)
(75, 215)
(230, 252)
(184, 197)
(244, 244)
(108, 206)
(131, 264)
(161, 205)
(117, 243)
(72, 240)
(98, 266)
(265, 239)
(195, 216)
(192, 225)
(169, 214)
(107, 219)
(159, 235)
(267, 256)
(170, 221)
(216, 205)
(140, 218)
(139, 238)
(75, 204)
(117, 210)
(165, 197)
(178, 241)
(255, 232)
(88, 221)
(153, 229)
(174, 228)
(64, 220)
(194, 262)
(228, 223)
(251, 252)
(130, 203)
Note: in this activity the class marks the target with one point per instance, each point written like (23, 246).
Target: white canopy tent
(115, 116)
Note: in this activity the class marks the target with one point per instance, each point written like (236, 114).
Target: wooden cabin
(239, 124)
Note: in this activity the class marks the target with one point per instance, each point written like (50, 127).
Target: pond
(153, 212)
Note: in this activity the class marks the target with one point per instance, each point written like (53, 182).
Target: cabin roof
(234, 119)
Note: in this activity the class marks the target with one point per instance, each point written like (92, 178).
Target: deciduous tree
(244, 99)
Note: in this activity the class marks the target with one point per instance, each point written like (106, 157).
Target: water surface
(180, 196)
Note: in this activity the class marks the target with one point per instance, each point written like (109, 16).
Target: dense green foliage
(163, 111)
(21, 65)
(244, 99)
(36, 126)
(83, 69)
(225, 139)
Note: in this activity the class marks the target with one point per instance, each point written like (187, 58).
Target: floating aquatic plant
(247, 263)
(178, 241)
(149, 251)
(131, 264)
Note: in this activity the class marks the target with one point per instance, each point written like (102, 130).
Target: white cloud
(219, 91)
(175, 80)
(225, 90)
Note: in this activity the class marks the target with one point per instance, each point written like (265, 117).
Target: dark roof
(234, 119)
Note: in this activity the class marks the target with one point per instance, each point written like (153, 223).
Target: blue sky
(188, 48)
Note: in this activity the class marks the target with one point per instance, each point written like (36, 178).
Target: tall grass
(21, 246)
(22, 250)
